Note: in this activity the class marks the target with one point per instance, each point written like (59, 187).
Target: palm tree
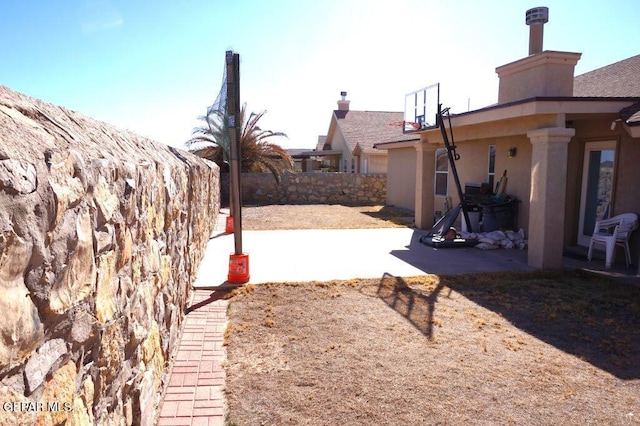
(211, 140)
(258, 153)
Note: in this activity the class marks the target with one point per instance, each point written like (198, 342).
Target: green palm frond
(258, 153)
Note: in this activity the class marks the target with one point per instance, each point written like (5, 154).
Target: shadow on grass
(394, 215)
(416, 307)
(588, 316)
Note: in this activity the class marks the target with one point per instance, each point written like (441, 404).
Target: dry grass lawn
(322, 216)
(533, 348)
(509, 348)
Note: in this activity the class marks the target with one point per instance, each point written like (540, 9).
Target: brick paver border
(195, 392)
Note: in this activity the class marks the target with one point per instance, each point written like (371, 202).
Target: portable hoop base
(229, 225)
(238, 269)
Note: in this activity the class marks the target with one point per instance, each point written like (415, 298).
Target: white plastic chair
(614, 232)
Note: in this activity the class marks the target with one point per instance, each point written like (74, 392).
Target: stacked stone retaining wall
(311, 188)
(101, 235)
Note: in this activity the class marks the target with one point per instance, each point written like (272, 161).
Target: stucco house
(570, 147)
(349, 144)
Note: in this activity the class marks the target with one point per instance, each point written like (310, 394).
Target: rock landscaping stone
(101, 235)
(350, 189)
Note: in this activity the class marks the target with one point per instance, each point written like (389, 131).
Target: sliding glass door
(597, 186)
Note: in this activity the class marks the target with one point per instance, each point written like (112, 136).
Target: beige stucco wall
(473, 166)
(547, 73)
(495, 128)
(475, 132)
(339, 144)
(401, 178)
(627, 178)
(377, 163)
(626, 197)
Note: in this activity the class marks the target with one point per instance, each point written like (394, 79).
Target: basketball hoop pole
(453, 156)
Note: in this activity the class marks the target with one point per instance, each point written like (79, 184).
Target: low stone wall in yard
(310, 188)
(101, 235)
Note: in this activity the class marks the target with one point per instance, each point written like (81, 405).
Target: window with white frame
(492, 166)
(442, 172)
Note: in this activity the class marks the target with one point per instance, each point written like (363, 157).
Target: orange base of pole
(229, 225)
(238, 269)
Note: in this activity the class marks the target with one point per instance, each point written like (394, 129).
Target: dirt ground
(255, 218)
(508, 348)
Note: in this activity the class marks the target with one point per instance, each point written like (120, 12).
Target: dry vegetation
(321, 216)
(532, 348)
(509, 348)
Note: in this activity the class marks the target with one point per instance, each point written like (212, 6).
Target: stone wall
(101, 235)
(310, 188)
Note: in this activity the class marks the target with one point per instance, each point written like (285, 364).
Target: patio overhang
(399, 144)
(517, 118)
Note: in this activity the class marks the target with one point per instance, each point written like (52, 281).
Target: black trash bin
(499, 214)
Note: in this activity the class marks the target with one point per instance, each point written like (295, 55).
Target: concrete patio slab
(329, 254)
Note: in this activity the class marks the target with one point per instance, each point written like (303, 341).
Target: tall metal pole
(234, 125)
(452, 157)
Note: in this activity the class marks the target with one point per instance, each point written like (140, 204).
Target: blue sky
(154, 66)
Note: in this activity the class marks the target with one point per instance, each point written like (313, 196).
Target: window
(442, 172)
(492, 165)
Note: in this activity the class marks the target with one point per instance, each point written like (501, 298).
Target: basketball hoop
(421, 108)
(407, 125)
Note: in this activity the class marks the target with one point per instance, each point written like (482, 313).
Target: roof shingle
(366, 128)
(620, 79)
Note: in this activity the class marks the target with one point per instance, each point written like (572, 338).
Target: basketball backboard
(421, 108)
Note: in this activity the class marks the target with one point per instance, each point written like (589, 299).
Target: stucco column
(425, 175)
(548, 196)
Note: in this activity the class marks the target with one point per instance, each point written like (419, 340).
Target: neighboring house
(348, 145)
(303, 161)
(329, 159)
(570, 147)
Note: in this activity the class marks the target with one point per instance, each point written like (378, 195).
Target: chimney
(544, 73)
(343, 104)
(536, 18)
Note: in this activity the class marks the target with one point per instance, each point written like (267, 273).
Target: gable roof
(363, 129)
(620, 79)
(322, 139)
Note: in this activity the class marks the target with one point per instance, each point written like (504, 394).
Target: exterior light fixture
(512, 152)
(613, 123)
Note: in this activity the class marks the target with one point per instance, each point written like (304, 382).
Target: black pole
(234, 126)
(452, 157)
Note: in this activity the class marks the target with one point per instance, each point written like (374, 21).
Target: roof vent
(536, 18)
(537, 15)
